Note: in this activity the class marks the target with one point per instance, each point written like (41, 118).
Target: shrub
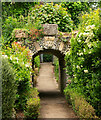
(33, 105)
(7, 28)
(34, 29)
(80, 105)
(20, 58)
(83, 61)
(53, 14)
(91, 18)
(9, 89)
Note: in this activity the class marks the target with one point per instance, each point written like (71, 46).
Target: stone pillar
(33, 70)
(59, 82)
(53, 59)
(41, 58)
(62, 75)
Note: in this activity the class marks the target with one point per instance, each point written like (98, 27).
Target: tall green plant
(83, 61)
(9, 88)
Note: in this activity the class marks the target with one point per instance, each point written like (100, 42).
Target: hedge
(80, 105)
(8, 89)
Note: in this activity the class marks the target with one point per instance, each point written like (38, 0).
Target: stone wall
(50, 40)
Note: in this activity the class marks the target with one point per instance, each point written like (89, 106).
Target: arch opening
(60, 56)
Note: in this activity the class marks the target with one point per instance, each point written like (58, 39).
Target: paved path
(53, 103)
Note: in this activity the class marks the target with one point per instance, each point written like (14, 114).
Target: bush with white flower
(83, 63)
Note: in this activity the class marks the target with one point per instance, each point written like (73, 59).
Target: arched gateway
(51, 43)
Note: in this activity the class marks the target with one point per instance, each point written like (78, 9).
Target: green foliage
(20, 58)
(83, 61)
(53, 14)
(47, 57)
(91, 18)
(37, 62)
(33, 29)
(80, 105)
(75, 9)
(33, 105)
(9, 88)
(56, 68)
(7, 28)
(16, 9)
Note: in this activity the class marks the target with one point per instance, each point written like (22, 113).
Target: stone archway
(62, 80)
(50, 43)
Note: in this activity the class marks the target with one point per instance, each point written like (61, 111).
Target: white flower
(14, 62)
(79, 40)
(5, 56)
(78, 66)
(87, 40)
(16, 58)
(74, 75)
(86, 71)
(85, 34)
(91, 35)
(27, 65)
(80, 53)
(87, 28)
(11, 58)
(19, 43)
(90, 27)
(89, 52)
(84, 50)
(80, 34)
(82, 58)
(81, 66)
(68, 53)
(89, 45)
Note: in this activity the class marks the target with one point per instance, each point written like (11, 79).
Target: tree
(75, 8)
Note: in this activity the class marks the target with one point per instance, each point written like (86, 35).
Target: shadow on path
(53, 103)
